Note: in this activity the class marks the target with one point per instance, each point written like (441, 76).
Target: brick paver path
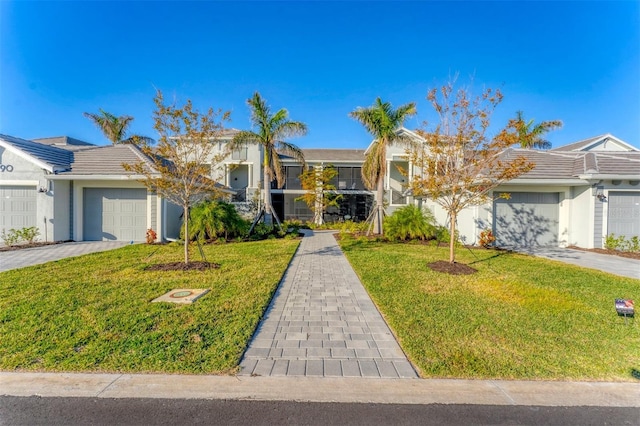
(322, 322)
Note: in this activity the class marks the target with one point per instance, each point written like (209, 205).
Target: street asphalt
(296, 385)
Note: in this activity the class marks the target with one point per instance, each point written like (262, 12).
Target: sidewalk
(322, 322)
(308, 389)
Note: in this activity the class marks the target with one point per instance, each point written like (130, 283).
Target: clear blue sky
(573, 61)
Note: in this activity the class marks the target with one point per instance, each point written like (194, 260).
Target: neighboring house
(73, 190)
(576, 195)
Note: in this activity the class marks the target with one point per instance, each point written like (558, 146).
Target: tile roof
(577, 146)
(337, 155)
(106, 160)
(572, 164)
(62, 141)
(56, 158)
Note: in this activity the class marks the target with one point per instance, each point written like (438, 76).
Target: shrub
(486, 238)
(350, 227)
(29, 235)
(211, 220)
(611, 242)
(151, 236)
(11, 238)
(410, 223)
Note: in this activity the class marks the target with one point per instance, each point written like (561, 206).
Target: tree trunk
(452, 238)
(186, 234)
(268, 216)
(379, 216)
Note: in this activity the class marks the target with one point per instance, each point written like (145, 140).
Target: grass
(518, 317)
(93, 313)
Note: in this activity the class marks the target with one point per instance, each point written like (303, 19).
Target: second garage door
(527, 219)
(624, 214)
(115, 214)
(17, 207)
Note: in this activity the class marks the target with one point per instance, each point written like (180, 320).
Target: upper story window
(349, 178)
(239, 154)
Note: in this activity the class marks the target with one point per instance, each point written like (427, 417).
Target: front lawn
(93, 313)
(518, 317)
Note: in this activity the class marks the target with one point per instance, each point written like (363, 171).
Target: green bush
(213, 220)
(410, 223)
(15, 236)
(11, 238)
(29, 235)
(611, 242)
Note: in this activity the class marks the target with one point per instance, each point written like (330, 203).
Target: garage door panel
(17, 207)
(527, 219)
(624, 214)
(116, 214)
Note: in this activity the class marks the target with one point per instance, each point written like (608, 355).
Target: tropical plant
(178, 167)
(270, 132)
(116, 128)
(410, 223)
(318, 184)
(214, 219)
(458, 163)
(383, 122)
(530, 135)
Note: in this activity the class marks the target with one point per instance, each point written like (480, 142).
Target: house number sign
(6, 168)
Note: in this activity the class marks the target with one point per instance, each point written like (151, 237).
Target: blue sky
(573, 61)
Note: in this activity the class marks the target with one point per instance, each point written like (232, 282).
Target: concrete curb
(346, 390)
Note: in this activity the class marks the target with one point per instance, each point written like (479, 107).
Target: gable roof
(62, 141)
(49, 158)
(592, 144)
(107, 160)
(579, 165)
(334, 155)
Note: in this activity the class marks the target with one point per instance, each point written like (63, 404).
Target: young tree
(317, 182)
(458, 163)
(530, 135)
(382, 121)
(270, 131)
(116, 128)
(179, 166)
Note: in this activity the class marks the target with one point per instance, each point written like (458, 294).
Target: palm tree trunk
(379, 216)
(268, 215)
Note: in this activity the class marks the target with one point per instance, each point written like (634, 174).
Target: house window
(239, 154)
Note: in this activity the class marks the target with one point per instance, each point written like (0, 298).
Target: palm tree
(271, 130)
(116, 128)
(382, 121)
(530, 135)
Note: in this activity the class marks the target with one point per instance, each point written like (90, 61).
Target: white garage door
(114, 214)
(624, 214)
(527, 219)
(17, 207)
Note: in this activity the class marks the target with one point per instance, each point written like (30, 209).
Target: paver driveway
(33, 256)
(322, 322)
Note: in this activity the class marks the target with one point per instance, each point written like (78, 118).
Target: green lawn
(93, 313)
(519, 317)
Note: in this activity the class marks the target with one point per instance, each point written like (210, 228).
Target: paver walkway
(322, 322)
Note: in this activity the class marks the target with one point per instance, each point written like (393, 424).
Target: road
(131, 411)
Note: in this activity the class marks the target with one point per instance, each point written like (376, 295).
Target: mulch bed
(181, 266)
(451, 268)
(29, 245)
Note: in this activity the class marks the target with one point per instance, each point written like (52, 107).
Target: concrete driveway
(613, 264)
(15, 259)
